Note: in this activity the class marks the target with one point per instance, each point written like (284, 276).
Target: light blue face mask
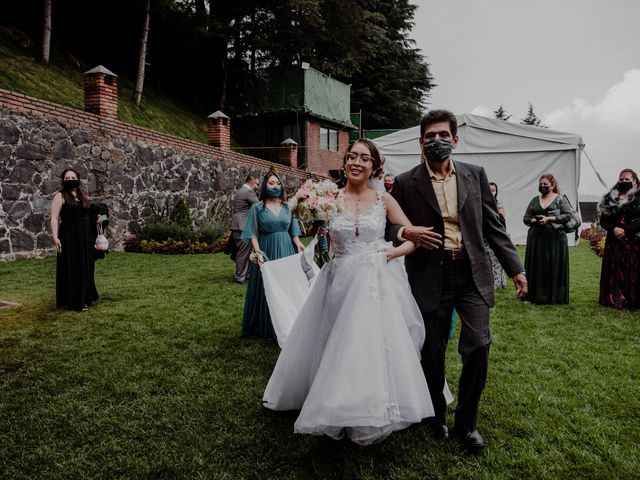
(274, 192)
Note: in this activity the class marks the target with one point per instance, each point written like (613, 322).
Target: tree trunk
(46, 33)
(201, 13)
(137, 96)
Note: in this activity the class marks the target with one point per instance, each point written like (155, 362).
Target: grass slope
(155, 382)
(61, 82)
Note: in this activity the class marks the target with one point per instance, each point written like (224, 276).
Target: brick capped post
(219, 130)
(101, 92)
(289, 153)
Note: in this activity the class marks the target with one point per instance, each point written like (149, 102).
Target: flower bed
(174, 247)
(596, 238)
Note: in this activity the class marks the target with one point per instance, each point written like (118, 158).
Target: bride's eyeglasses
(364, 159)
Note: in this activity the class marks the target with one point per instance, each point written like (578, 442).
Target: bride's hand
(390, 252)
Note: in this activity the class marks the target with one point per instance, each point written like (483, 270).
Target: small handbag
(574, 222)
(102, 244)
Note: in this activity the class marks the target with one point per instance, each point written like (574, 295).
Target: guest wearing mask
(620, 216)
(273, 233)
(547, 255)
(245, 197)
(73, 234)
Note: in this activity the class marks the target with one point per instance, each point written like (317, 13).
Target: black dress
(546, 260)
(620, 275)
(75, 286)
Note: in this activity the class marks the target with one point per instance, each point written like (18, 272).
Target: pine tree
(532, 118)
(501, 114)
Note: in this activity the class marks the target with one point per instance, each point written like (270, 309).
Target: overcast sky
(576, 61)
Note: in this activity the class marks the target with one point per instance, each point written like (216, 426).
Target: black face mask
(624, 186)
(70, 184)
(437, 151)
(543, 190)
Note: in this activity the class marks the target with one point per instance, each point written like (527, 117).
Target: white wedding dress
(351, 364)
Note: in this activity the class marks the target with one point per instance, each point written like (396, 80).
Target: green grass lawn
(155, 382)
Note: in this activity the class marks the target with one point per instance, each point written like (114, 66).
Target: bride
(351, 364)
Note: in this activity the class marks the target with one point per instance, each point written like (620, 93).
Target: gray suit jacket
(479, 220)
(242, 202)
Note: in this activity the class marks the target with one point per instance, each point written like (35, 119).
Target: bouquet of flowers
(315, 202)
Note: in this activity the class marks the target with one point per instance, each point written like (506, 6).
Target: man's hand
(423, 237)
(522, 287)
(618, 232)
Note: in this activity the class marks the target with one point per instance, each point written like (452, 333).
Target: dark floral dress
(620, 274)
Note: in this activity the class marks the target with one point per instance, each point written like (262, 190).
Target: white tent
(513, 155)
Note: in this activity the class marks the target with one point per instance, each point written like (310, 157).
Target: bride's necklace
(357, 232)
(357, 215)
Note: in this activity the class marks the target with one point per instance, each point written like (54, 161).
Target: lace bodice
(371, 226)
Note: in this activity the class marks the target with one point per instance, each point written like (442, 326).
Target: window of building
(328, 139)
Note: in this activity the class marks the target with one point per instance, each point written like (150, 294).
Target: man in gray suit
(452, 211)
(245, 197)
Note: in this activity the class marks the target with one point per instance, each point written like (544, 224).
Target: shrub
(209, 232)
(131, 243)
(596, 237)
(180, 214)
(175, 247)
(172, 231)
(165, 230)
(220, 244)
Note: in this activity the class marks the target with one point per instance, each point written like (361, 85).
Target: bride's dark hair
(378, 171)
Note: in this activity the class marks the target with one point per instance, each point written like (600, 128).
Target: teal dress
(274, 234)
(546, 259)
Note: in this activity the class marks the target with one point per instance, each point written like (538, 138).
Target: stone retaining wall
(129, 168)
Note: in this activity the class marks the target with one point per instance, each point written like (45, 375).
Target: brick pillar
(101, 92)
(219, 130)
(289, 153)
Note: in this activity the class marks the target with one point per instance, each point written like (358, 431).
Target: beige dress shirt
(446, 190)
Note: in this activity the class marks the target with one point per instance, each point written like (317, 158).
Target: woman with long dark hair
(274, 233)
(73, 236)
(620, 217)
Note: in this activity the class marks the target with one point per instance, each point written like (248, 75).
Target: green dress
(274, 234)
(546, 259)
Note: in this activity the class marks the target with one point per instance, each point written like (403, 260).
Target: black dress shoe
(472, 441)
(439, 431)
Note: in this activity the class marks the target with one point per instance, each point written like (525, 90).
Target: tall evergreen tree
(532, 118)
(501, 114)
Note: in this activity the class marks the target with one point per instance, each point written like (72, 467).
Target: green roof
(298, 89)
